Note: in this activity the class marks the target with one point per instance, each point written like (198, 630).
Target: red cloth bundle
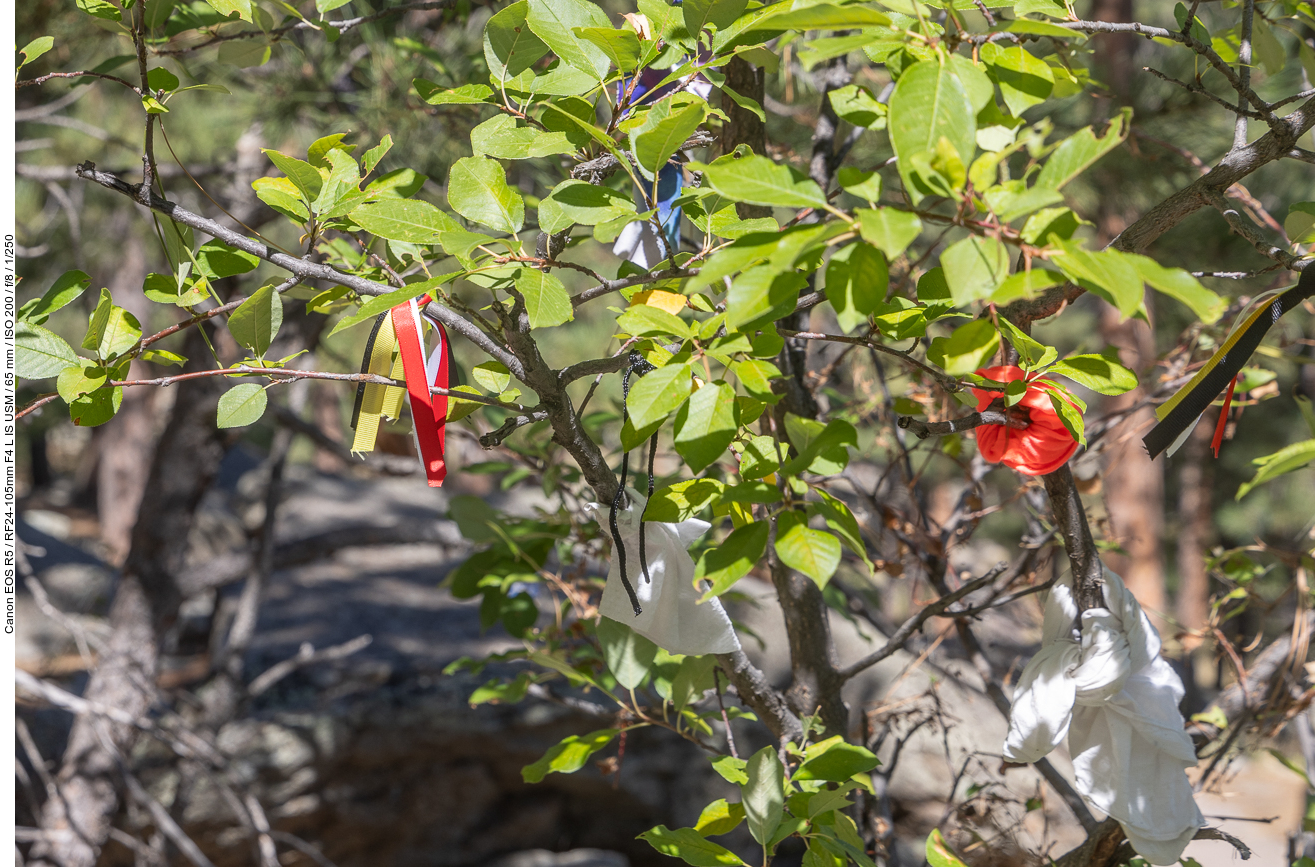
(1043, 446)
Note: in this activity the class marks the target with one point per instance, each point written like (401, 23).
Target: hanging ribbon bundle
(1181, 412)
(637, 241)
(396, 349)
(1040, 448)
(1100, 681)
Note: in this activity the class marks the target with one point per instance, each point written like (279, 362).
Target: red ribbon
(1218, 440)
(428, 411)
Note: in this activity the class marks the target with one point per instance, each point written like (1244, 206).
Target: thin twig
(901, 635)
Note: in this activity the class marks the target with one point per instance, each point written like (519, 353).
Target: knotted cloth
(672, 617)
(1109, 690)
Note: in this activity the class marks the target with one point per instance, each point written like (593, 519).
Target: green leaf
(629, 655)
(231, 8)
(467, 94)
(820, 17)
(759, 458)
(757, 376)
(705, 425)
(510, 46)
(657, 393)
(683, 500)
(730, 561)
(856, 282)
(1111, 274)
(583, 203)
(976, 83)
(929, 103)
(1069, 415)
(835, 761)
(762, 294)
(757, 180)
(323, 6)
(763, 795)
(163, 356)
(97, 407)
(1079, 151)
(1030, 352)
(821, 447)
(621, 46)
(1182, 286)
(641, 320)
(1285, 460)
(656, 144)
(1024, 80)
(687, 845)
(719, 818)
(79, 379)
(720, 14)
(477, 190)
(857, 105)
(843, 523)
(492, 376)
(974, 267)
(866, 185)
(692, 680)
(217, 260)
(1025, 284)
(554, 21)
(68, 288)
(256, 321)
(968, 348)
(1269, 51)
(547, 302)
(160, 78)
(242, 405)
(376, 153)
(1300, 222)
(731, 769)
(410, 220)
(816, 553)
(283, 196)
(1100, 373)
(501, 137)
(35, 49)
(568, 756)
(163, 289)
(890, 230)
(303, 175)
(100, 9)
(939, 853)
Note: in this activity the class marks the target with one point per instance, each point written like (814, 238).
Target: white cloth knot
(672, 617)
(1109, 690)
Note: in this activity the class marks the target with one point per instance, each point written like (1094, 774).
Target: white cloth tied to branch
(672, 618)
(1109, 690)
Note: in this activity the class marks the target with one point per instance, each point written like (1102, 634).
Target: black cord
(365, 368)
(638, 365)
(643, 557)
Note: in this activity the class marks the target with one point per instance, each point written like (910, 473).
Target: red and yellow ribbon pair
(396, 349)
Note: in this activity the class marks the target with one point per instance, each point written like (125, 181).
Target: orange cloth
(1042, 447)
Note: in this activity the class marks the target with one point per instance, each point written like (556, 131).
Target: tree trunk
(145, 604)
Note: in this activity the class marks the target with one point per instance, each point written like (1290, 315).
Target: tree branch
(300, 267)
(1009, 418)
(897, 639)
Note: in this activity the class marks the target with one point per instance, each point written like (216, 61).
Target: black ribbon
(1213, 383)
